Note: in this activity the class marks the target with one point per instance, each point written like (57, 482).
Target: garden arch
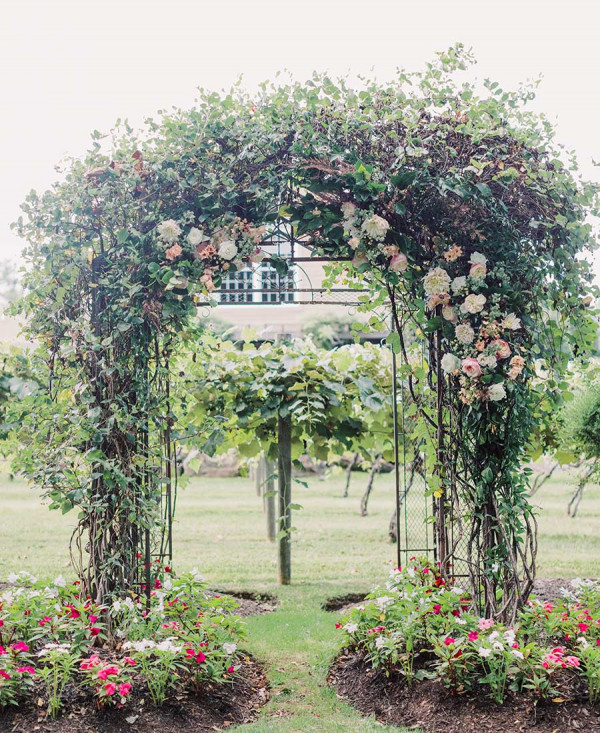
(457, 215)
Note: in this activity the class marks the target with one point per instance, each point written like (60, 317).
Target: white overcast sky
(68, 67)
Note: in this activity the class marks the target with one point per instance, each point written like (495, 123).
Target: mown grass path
(298, 642)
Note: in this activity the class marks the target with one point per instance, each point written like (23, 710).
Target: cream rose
(501, 348)
(458, 284)
(228, 249)
(464, 333)
(375, 227)
(478, 271)
(168, 230)
(477, 259)
(511, 322)
(195, 236)
(449, 314)
(450, 363)
(473, 303)
(487, 360)
(496, 392)
(436, 281)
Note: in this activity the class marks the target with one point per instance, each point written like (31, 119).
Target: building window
(248, 286)
(237, 287)
(282, 288)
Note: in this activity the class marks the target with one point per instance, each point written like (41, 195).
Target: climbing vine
(456, 209)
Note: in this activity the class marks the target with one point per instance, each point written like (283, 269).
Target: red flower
(110, 688)
(472, 636)
(583, 627)
(26, 670)
(109, 671)
(3, 650)
(20, 646)
(130, 661)
(157, 584)
(4, 673)
(94, 631)
(167, 569)
(124, 689)
(200, 657)
(230, 669)
(45, 620)
(339, 626)
(439, 582)
(437, 608)
(449, 640)
(90, 663)
(92, 619)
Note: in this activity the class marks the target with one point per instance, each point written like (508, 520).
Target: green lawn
(221, 530)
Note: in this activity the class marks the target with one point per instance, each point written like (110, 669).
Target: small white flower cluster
(144, 645)
(51, 648)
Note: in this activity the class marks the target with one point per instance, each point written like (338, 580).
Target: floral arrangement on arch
(228, 248)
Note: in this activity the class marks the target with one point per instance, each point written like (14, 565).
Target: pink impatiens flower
(124, 689)
(26, 670)
(110, 688)
(473, 636)
(449, 640)
(485, 623)
(20, 646)
(109, 671)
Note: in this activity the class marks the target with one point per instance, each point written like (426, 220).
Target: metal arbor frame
(414, 510)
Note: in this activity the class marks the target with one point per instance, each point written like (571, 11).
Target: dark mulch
(345, 602)
(428, 707)
(251, 604)
(214, 708)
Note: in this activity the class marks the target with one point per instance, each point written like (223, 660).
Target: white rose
(477, 259)
(228, 249)
(496, 392)
(473, 303)
(458, 284)
(511, 322)
(376, 227)
(489, 361)
(450, 363)
(168, 230)
(195, 236)
(436, 281)
(354, 242)
(464, 333)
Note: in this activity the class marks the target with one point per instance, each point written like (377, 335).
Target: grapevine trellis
(451, 209)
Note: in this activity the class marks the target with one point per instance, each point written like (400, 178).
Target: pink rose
(399, 262)
(502, 348)
(471, 367)
(478, 270)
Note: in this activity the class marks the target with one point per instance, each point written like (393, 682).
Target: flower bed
(58, 650)
(422, 636)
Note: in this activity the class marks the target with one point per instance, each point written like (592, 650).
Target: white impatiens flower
(518, 654)
(12, 578)
(450, 363)
(376, 227)
(168, 231)
(473, 303)
(511, 322)
(436, 281)
(197, 576)
(484, 651)
(350, 628)
(487, 360)
(383, 602)
(228, 249)
(464, 333)
(229, 648)
(195, 236)
(477, 259)
(379, 642)
(496, 392)
(458, 284)
(60, 582)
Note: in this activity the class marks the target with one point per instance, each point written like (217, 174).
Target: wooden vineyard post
(270, 508)
(284, 481)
